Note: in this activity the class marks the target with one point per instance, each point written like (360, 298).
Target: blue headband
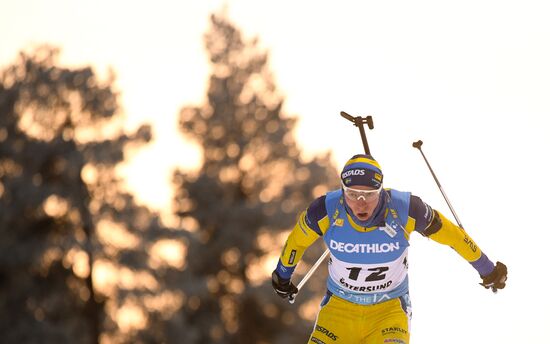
(362, 170)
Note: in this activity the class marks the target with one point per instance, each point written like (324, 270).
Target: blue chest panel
(376, 246)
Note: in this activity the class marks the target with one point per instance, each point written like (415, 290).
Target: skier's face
(362, 207)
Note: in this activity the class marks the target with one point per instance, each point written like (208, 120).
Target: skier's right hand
(283, 287)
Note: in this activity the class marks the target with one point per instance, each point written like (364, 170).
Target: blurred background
(154, 156)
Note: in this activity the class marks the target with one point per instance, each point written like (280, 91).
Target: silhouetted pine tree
(57, 187)
(251, 186)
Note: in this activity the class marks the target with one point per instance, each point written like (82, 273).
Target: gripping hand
(497, 278)
(283, 287)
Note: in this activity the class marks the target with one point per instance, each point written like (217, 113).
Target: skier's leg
(392, 322)
(337, 322)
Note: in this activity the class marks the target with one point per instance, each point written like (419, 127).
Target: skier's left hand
(497, 278)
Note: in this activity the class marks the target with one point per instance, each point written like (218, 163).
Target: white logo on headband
(358, 172)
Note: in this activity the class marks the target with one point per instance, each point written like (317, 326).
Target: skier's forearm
(297, 242)
(454, 236)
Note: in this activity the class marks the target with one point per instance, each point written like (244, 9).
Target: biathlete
(366, 228)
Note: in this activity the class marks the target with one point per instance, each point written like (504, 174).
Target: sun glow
(168, 252)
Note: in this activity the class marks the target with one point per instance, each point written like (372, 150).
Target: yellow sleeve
(299, 240)
(454, 236)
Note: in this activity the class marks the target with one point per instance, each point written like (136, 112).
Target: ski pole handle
(358, 122)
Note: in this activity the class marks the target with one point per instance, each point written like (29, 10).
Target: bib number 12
(377, 274)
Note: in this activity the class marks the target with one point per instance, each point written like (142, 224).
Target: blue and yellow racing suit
(367, 297)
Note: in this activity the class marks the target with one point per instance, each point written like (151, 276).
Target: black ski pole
(358, 122)
(418, 144)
